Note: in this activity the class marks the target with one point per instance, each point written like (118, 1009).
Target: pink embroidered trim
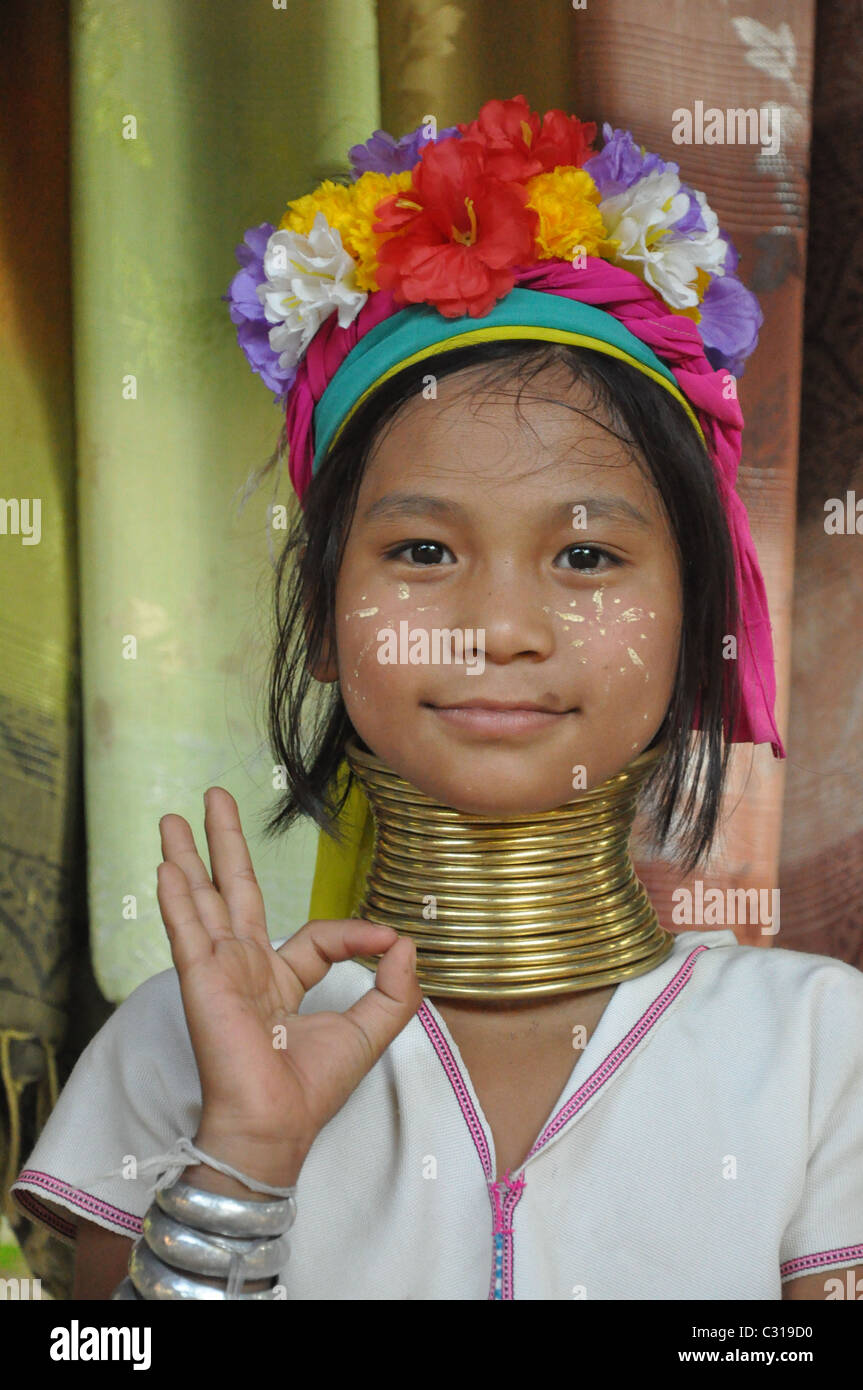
(824, 1257)
(450, 1066)
(502, 1210)
(502, 1263)
(30, 1203)
(126, 1221)
(616, 1058)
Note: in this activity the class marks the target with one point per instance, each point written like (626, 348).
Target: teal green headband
(421, 331)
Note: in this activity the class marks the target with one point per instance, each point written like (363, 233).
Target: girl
(521, 578)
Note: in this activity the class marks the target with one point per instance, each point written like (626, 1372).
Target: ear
(325, 669)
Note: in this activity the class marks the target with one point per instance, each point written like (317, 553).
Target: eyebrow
(607, 506)
(600, 506)
(396, 504)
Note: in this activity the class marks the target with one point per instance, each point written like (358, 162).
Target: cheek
(365, 611)
(625, 654)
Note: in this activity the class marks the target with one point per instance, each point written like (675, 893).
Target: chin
(498, 803)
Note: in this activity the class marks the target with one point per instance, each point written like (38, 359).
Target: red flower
(455, 234)
(564, 140)
(516, 146)
(506, 131)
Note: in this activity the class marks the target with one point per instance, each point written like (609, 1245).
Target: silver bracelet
(182, 1247)
(184, 1154)
(156, 1281)
(125, 1292)
(226, 1216)
(206, 1233)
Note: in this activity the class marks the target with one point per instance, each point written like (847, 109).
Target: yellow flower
(699, 284)
(334, 200)
(566, 200)
(350, 208)
(369, 190)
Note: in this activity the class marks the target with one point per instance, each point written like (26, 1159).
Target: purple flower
(620, 163)
(383, 154)
(250, 251)
(691, 221)
(254, 339)
(730, 319)
(242, 296)
(732, 256)
(730, 314)
(247, 312)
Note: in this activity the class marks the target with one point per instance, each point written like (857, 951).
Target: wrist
(274, 1162)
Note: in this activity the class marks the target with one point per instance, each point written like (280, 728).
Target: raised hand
(270, 1077)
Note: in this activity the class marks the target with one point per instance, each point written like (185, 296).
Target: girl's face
(535, 554)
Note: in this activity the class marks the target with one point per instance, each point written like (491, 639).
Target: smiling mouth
(495, 718)
(501, 705)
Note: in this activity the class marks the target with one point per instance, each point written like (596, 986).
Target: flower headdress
(448, 219)
(438, 234)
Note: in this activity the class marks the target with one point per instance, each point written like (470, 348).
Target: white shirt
(708, 1143)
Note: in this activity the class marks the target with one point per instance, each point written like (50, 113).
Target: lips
(495, 719)
(501, 705)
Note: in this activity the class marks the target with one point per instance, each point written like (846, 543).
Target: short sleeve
(826, 1231)
(133, 1092)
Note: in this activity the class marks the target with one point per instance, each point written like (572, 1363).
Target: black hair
(308, 724)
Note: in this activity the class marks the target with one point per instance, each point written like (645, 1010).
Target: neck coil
(514, 908)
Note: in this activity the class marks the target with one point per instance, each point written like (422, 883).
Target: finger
(233, 873)
(178, 847)
(385, 1009)
(189, 938)
(323, 941)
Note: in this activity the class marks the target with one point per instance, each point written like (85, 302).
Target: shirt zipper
(503, 1207)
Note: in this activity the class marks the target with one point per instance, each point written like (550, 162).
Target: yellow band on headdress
(520, 331)
(419, 332)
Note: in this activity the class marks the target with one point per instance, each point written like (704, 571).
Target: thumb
(385, 1009)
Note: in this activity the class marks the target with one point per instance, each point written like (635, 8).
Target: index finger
(323, 941)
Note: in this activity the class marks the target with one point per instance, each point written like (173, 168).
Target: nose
(509, 611)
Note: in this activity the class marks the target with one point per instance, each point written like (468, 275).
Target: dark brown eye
(421, 552)
(586, 553)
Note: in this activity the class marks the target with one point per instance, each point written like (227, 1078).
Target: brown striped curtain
(794, 217)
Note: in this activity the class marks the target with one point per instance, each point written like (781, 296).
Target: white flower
(308, 277)
(642, 219)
